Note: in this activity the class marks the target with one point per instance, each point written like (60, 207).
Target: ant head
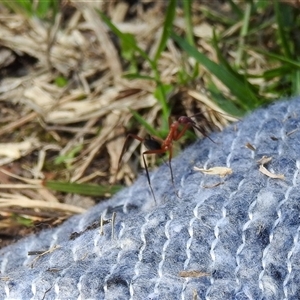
(188, 120)
(185, 120)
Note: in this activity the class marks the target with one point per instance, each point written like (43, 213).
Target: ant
(156, 145)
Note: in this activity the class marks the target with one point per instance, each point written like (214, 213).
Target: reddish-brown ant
(156, 145)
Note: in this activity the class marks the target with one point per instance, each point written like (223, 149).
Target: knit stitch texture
(239, 234)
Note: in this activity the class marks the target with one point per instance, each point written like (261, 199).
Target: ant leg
(161, 151)
(154, 151)
(188, 123)
(133, 136)
(148, 177)
(171, 171)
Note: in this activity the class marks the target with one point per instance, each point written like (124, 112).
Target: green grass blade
(22, 220)
(291, 62)
(236, 9)
(168, 24)
(218, 17)
(40, 8)
(243, 33)
(276, 72)
(279, 13)
(69, 155)
(224, 62)
(138, 76)
(187, 7)
(81, 188)
(160, 94)
(130, 42)
(228, 106)
(296, 83)
(188, 21)
(43, 7)
(245, 97)
(145, 124)
(261, 5)
(19, 6)
(126, 38)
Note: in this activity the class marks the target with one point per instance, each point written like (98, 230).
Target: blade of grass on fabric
(167, 29)
(81, 188)
(126, 38)
(144, 123)
(279, 10)
(245, 97)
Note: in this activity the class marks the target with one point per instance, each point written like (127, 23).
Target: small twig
(41, 253)
(72, 129)
(18, 123)
(193, 274)
(101, 225)
(35, 203)
(113, 220)
(30, 181)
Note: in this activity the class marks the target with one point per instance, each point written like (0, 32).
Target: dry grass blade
(221, 171)
(13, 151)
(26, 180)
(99, 29)
(24, 202)
(42, 253)
(265, 160)
(16, 124)
(266, 172)
(193, 274)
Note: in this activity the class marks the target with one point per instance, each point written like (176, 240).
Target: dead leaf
(264, 160)
(263, 170)
(193, 273)
(195, 295)
(41, 253)
(222, 171)
(213, 185)
(7, 57)
(249, 146)
(12, 151)
(292, 131)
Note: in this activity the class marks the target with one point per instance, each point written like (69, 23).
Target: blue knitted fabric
(238, 233)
